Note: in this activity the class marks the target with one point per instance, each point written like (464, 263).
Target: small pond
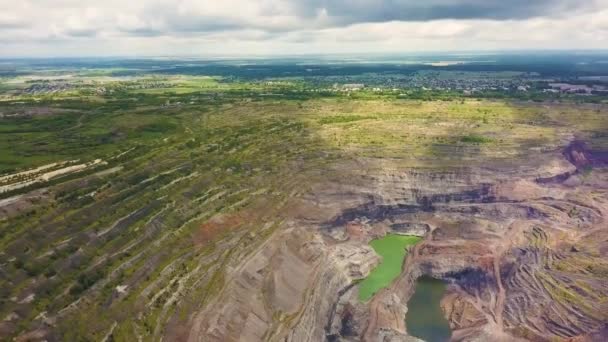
(392, 249)
(424, 318)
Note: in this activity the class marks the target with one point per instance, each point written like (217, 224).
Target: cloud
(298, 26)
(360, 11)
(10, 21)
(289, 15)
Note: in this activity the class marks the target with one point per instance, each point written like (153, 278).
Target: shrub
(475, 139)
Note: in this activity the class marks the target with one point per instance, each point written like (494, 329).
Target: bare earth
(523, 248)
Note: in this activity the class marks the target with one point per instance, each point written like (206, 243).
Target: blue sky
(279, 27)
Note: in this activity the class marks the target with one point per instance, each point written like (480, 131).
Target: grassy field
(392, 249)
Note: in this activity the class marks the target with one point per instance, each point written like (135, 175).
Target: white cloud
(194, 27)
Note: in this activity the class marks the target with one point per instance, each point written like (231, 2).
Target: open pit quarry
(523, 248)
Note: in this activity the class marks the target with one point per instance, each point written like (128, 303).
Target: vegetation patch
(475, 139)
(343, 119)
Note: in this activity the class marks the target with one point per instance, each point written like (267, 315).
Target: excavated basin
(424, 318)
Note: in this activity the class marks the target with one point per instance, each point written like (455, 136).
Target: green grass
(343, 119)
(392, 249)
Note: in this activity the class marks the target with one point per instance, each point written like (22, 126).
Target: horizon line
(317, 55)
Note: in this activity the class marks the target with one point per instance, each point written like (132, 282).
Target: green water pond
(424, 318)
(392, 249)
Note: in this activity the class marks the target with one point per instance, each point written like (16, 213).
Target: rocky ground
(523, 248)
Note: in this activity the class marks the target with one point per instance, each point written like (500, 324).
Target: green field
(392, 249)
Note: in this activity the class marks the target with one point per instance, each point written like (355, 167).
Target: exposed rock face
(523, 249)
(296, 278)
(344, 265)
(579, 154)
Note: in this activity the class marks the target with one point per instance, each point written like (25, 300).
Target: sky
(70, 28)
